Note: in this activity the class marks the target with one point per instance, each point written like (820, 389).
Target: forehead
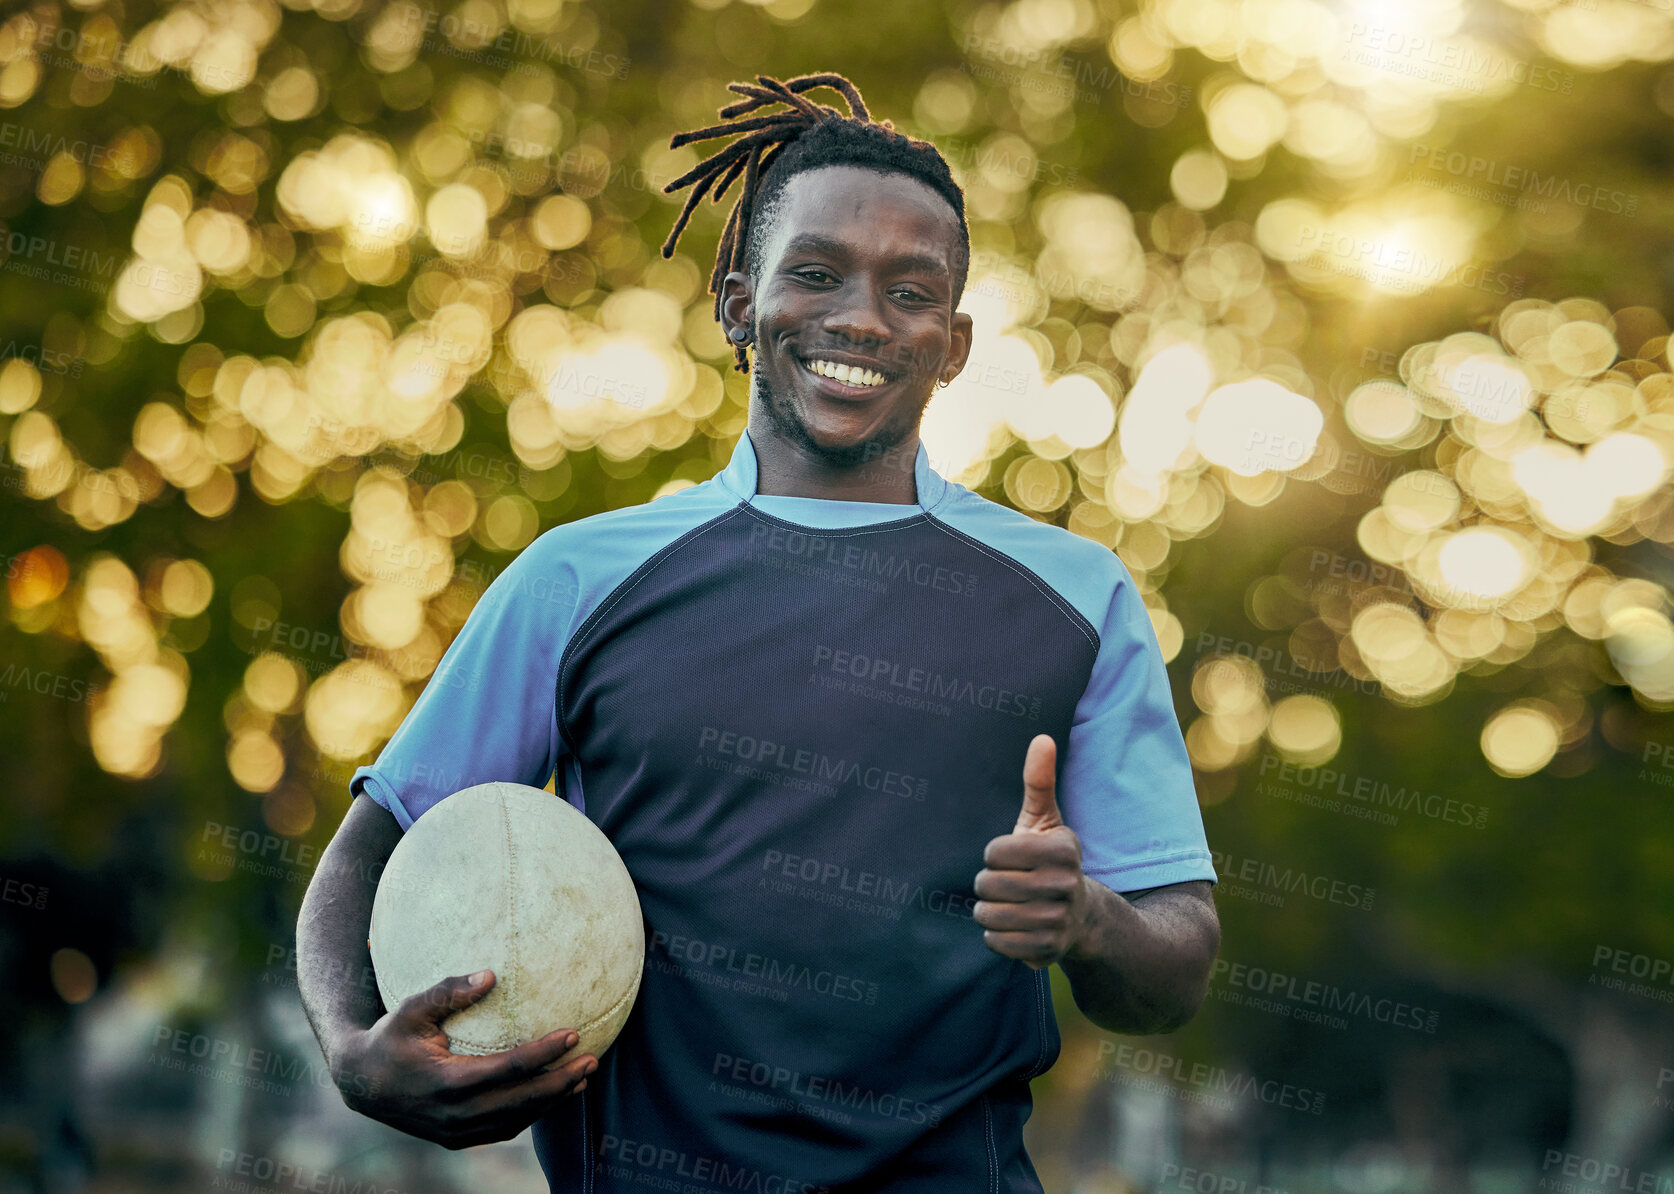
(869, 211)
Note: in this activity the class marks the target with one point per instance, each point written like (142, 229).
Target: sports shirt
(800, 721)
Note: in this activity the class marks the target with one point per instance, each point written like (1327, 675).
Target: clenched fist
(1032, 899)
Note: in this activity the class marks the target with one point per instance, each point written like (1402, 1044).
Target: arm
(1135, 967)
(396, 1067)
(1141, 964)
(334, 924)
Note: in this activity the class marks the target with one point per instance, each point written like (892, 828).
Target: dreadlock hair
(780, 144)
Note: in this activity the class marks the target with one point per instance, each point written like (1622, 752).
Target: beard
(785, 420)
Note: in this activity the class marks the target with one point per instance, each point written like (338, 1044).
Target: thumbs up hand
(1031, 895)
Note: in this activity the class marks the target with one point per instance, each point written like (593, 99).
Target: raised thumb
(1040, 787)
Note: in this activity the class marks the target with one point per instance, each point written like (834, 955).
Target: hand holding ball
(512, 879)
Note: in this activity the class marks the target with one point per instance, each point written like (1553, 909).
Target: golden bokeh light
(1520, 739)
(186, 589)
(1484, 562)
(1258, 426)
(1305, 729)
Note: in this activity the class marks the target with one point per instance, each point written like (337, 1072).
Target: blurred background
(1344, 324)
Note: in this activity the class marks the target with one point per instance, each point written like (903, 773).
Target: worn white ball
(508, 878)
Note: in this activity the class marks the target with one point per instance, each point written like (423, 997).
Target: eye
(825, 274)
(916, 295)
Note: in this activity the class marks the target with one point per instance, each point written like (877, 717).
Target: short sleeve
(489, 712)
(1125, 784)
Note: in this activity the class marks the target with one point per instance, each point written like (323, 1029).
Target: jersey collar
(739, 476)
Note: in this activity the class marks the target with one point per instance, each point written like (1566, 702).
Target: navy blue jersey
(800, 721)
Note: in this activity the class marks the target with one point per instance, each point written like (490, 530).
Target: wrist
(337, 1045)
(1084, 943)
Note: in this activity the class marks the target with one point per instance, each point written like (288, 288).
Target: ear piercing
(738, 335)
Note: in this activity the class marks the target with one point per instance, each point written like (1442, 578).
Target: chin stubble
(788, 425)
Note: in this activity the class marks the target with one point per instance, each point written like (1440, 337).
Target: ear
(961, 332)
(737, 303)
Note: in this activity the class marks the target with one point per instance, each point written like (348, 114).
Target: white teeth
(851, 375)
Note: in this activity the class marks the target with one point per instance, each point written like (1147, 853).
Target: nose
(854, 315)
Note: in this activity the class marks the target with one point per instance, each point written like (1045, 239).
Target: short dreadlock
(780, 145)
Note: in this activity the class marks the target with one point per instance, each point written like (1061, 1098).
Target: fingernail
(481, 977)
(571, 1039)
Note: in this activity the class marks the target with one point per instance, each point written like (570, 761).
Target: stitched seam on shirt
(586, 1150)
(1064, 607)
(615, 597)
(871, 528)
(1178, 856)
(1040, 1019)
(993, 1153)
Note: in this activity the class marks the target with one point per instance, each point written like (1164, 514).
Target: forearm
(1142, 966)
(334, 965)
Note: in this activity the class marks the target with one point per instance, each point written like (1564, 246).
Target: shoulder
(633, 528)
(581, 560)
(1086, 574)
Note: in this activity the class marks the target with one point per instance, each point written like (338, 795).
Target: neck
(790, 470)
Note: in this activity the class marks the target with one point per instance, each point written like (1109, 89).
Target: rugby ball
(509, 878)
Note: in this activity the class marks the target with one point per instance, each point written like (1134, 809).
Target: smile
(853, 376)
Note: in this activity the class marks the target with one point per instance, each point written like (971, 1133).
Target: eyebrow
(818, 243)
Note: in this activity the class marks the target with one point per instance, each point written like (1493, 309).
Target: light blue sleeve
(489, 712)
(1125, 784)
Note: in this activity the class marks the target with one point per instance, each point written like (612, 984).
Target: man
(798, 697)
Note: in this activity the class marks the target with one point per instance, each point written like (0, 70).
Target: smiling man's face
(852, 321)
